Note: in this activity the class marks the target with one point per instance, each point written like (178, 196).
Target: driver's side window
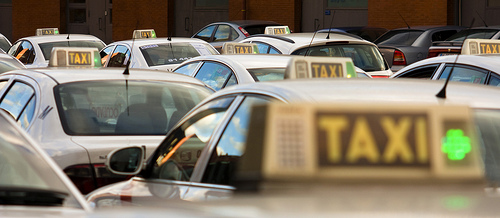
(182, 148)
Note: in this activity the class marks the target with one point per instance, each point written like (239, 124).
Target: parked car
(404, 46)
(8, 63)
(231, 31)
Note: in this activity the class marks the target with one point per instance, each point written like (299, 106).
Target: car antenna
(310, 43)
(442, 93)
(331, 23)
(484, 22)
(404, 20)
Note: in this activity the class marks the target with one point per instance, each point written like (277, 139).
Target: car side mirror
(126, 161)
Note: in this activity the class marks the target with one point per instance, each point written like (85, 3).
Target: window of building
(343, 4)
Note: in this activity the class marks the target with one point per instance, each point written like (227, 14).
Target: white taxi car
(151, 52)
(198, 158)
(477, 64)
(4, 44)
(78, 115)
(35, 51)
(364, 54)
(8, 63)
(31, 183)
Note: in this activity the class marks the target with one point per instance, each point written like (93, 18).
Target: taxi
(80, 113)
(364, 54)
(4, 44)
(35, 51)
(145, 50)
(478, 64)
(198, 158)
(32, 185)
(8, 63)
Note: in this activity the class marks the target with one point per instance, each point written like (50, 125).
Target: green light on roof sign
(456, 144)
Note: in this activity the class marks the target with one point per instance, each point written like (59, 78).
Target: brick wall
(286, 12)
(415, 12)
(132, 14)
(27, 16)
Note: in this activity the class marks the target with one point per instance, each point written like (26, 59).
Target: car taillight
(380, 76)
(244, 31)
(437, 52)
(88, 177)
(399, 58)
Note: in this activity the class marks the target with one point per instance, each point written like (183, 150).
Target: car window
(47, 47)
(399, 37)
(24, 52)
(266, 48)
(267, 74)
(442, 35)
(178, 154)
(472, 34)
(120, 56)
(465, 74)
(27, 115)
(234, 34)
(231, 146)
(16, 99)
(494, 80)
(124, 108)
(214, 74)
(105, 54)
(168, 53)
(206, 33)
(4, 44)
(187, 69)
(222, 33)
(423, 72)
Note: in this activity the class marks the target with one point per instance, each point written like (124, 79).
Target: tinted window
(222, 33)
(472, 34)
(214, 75)
(23, 51)
(442, 35)
(399, 37)
(47, 47)
(119, 108)
(231, 145)
(494, 80)
(178, 154)
(169, 53)
(105, 54)
(187, 69)
(120, 55)
(17, 98)
(268, 74)
(424, 72)
(206, 33)
(465, 74)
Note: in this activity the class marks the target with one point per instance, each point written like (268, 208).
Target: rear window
(267, 74)
(47, 47)
(472, 34)
(172, 53)
(399, 37)
(124, 107)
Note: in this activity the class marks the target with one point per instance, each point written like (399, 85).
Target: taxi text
(79, 58)
(281, 30)
(146, 34)
(324, 70)
(242, 49)
(490, 48)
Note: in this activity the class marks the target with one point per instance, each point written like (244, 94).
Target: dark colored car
(453, 44)
(365, 32)
(231, 31)
(404, 46)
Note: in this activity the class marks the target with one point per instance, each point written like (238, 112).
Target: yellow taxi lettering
(488, 49)
(333, 70)
(494, 48)
(315, 69)
(333, 126)
(241, 50)
(324, 72)
(397, 144)
(362, 144)
(246, 50)
(421, 143)
(84, 58)
(482, 48)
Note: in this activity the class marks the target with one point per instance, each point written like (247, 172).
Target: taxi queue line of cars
(179, 173)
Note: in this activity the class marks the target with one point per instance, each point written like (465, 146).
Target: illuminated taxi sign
(320, 67)
(277, 30)
(74, 57)
(481, 46)
(239, 48)
(144, 34)
(47, 31)
(368, 141)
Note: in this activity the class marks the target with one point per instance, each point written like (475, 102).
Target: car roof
(244, 23)
(60, 37)
(425, 28)
(489, 62)
(371, 90)
(67, 75)
(149, 41)
(250, 61)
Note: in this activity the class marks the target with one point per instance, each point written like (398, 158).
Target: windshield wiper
(31, 196)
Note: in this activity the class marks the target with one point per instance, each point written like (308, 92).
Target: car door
(464, 73)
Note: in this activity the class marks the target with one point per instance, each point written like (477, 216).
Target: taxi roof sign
(144, 34)
(320, 67)
(47, 31)
(366, 141)
(75, 57)
(277, 30)
(239, 48)
(481, 46)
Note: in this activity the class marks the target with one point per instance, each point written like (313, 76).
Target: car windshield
(26, 178)
(171, 53)
(8, 64)
(472, 34)
(399, 37)
(47, 47)
(364, 56)
(268, 74)
(125, 107)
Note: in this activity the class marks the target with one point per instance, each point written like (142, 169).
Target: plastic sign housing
(144, 34)
(75, 57)
(320, 67)
(364, 141)
(239, 48)
(47, 31)
(277, 30)
(481, 46)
